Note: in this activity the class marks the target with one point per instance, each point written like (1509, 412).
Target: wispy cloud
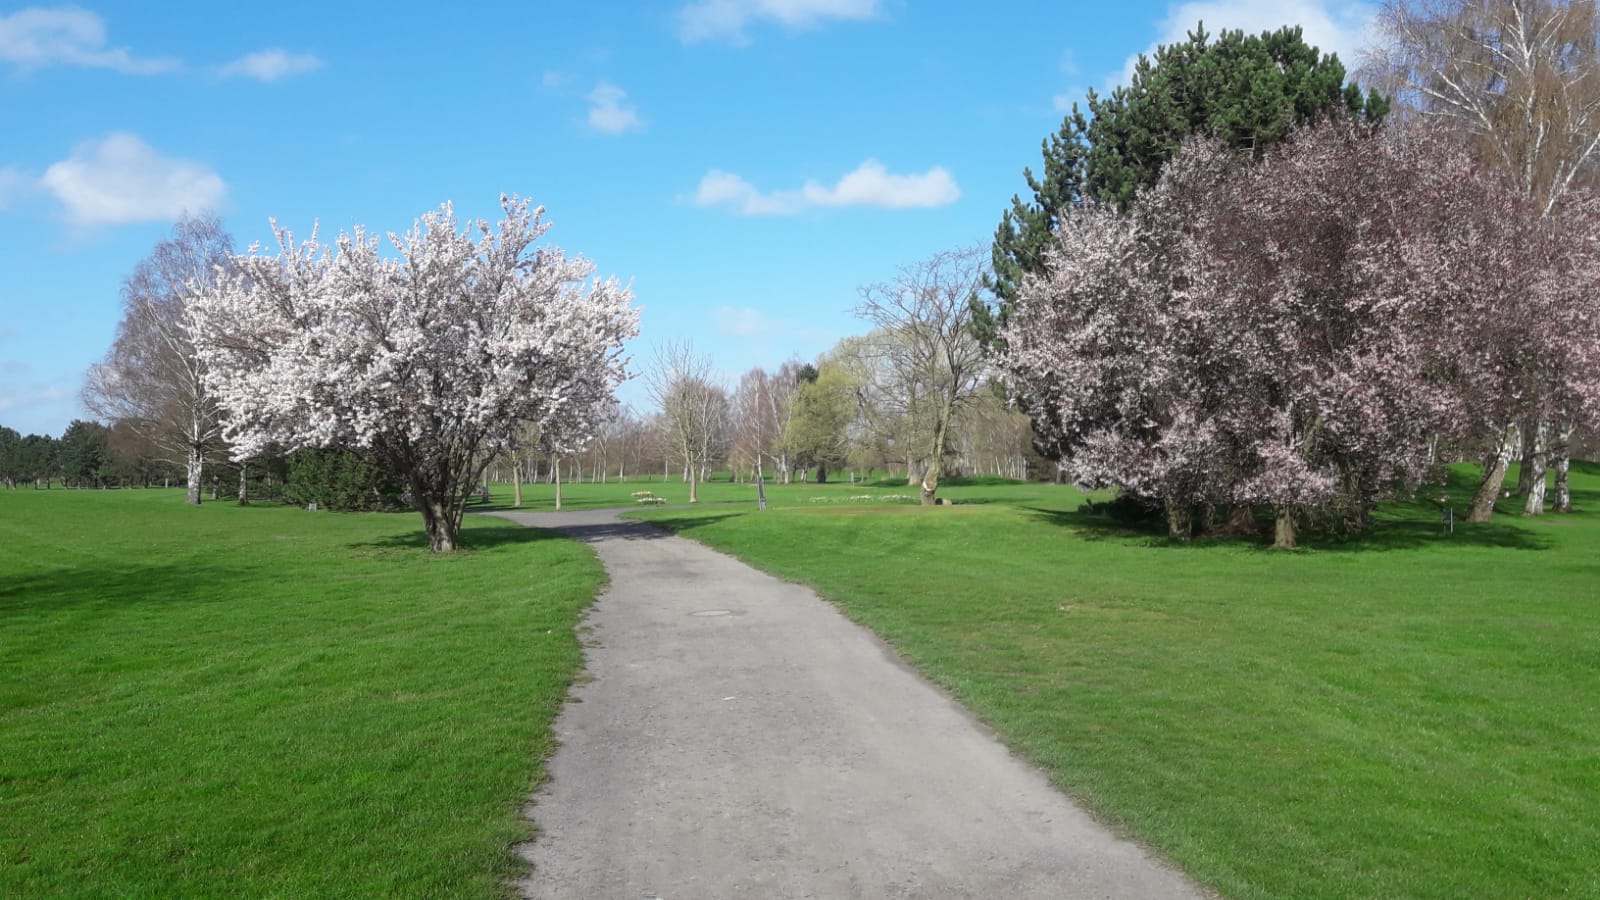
(609, 113)
(14, 397)
(36, 38)
(13, 181)
(1332, 26)
(742, 321)
(869, 184)
(725, 20)
(271, 65)
(122, 179)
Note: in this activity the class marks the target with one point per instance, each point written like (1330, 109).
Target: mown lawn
(271, 702)
(878, 490)
(1407, 714)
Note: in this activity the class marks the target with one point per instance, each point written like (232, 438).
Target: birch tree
(923, 333)
(427, 361)
(694, 409)
(1519, 80)
(152, 379)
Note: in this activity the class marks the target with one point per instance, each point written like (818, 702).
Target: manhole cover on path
(707, 613)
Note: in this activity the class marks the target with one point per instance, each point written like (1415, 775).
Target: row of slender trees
(915, 392)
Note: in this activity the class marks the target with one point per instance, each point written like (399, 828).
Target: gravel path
(741, 739)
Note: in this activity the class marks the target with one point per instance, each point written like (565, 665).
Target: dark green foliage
(340, 480)
(83, 452)
(1025, 228)
(1252, 90)
(35, 458)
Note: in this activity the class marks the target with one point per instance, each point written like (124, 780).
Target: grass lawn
(837, 492)
(266, 702)
(1407, 714)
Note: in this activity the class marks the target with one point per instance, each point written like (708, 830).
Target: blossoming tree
(428, 360)
(1296, 332)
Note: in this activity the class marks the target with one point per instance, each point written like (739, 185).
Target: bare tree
(763, 410)
(151, 379)
(694, 409)
(923, 335)
(1521, 77)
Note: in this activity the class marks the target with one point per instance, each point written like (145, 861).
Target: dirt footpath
(741, 739)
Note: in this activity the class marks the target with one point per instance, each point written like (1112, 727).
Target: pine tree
(1249, 90)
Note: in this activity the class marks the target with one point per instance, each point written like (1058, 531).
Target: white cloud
(270, 65)
(870, 184)
(553, 79)
(122, 179)
(706, 20)
(34, 38)
(1332, 26)
(608, 114)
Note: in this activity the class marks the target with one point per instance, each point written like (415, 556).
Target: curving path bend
(739, 738)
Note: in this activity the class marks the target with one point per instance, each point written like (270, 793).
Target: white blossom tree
(428, 361)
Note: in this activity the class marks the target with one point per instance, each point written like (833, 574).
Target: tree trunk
(1563, 463)
(1533, 467)
(555, 471)
(193, 467)
(930, 486)
(441, 525)
(822, 473)
(1532, 445)
(1283, 528)
(1241, 519)
(244, 486)
(516, 484)
(1180, 519)
(694, 490)
(1494, 476)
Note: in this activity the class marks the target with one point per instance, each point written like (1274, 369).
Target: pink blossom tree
(428, 360)
(1292, 332)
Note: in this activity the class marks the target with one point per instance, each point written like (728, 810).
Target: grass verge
(266, 702)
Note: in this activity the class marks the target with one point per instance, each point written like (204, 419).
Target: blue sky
(746, 163)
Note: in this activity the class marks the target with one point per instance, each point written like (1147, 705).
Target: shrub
(341, 480)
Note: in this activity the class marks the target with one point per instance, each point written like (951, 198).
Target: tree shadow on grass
(89, 586)
(552, 525)
(1386, 534)
(680, 524)
(478, 538)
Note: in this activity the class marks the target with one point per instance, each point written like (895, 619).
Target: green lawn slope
(270, 702)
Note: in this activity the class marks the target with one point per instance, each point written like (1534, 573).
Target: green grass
(1405, 714)
(722, 492)
(268, 702)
